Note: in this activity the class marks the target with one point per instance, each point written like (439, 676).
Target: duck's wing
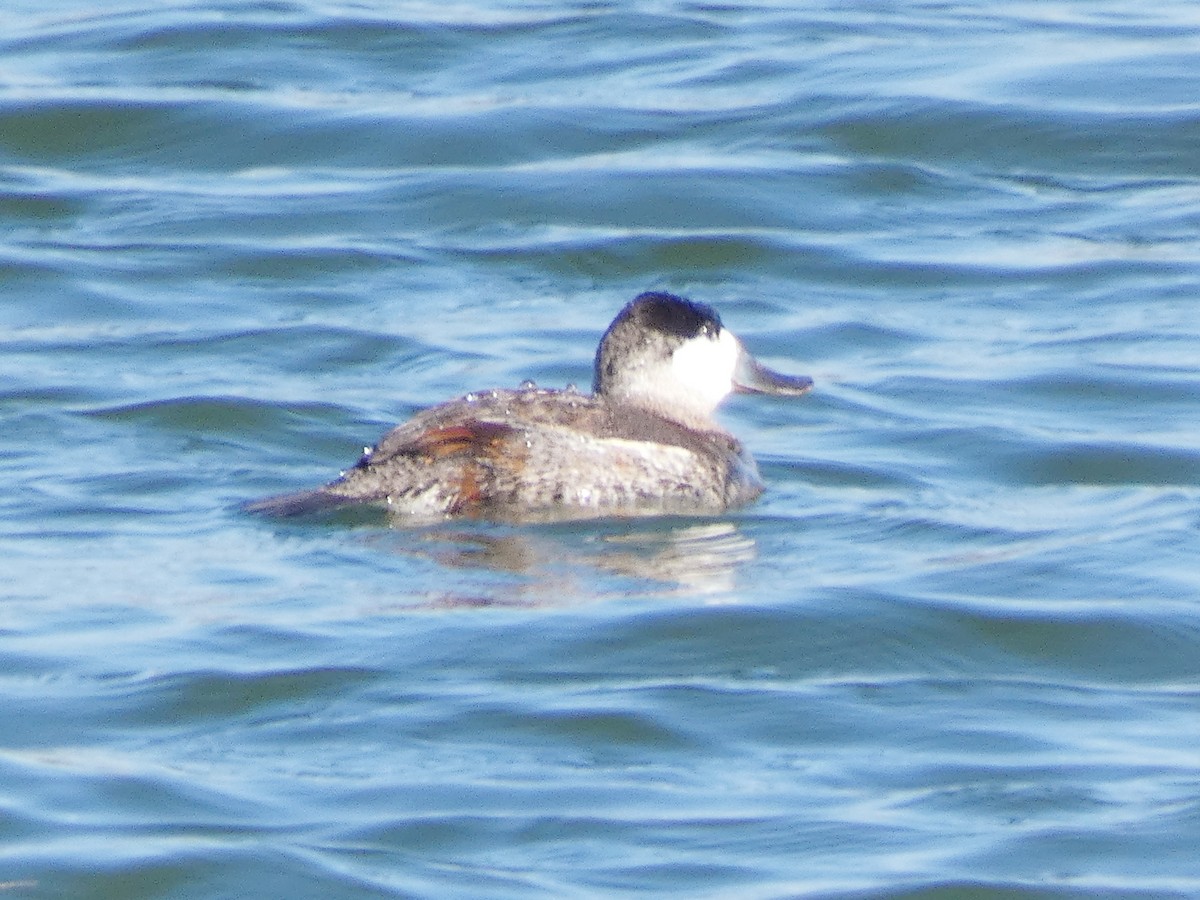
(439, 463)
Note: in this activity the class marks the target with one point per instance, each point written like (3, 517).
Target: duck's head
(673, 356)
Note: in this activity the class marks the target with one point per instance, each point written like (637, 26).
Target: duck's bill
(752, 377)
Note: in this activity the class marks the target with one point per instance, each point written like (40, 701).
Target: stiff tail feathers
(300, 503)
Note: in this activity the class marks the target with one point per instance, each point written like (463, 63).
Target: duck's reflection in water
(565, 565)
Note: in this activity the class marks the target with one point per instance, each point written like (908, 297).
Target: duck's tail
(301, 503)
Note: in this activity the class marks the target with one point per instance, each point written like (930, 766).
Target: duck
(644, 442)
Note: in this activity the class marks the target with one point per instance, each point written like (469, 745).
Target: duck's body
(643, 443)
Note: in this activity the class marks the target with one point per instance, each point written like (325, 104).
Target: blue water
(954, 651)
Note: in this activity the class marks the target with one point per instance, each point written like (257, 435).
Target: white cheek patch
(704, 366)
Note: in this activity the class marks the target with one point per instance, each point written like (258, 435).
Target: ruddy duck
(642, 443)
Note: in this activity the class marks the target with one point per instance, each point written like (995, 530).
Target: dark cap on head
(669, 314)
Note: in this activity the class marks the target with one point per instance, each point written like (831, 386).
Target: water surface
(951, 653)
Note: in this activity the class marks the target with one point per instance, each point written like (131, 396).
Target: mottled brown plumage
(640, 445)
